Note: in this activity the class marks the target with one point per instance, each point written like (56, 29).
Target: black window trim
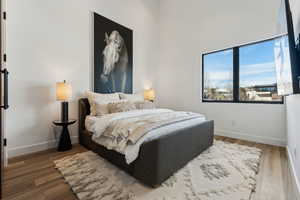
(236, 75)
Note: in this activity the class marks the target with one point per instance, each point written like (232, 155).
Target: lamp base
(65, 140)
(64, 111)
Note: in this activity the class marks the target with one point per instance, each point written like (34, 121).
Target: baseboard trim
(248, 137)
(293, 170)
(23, 150)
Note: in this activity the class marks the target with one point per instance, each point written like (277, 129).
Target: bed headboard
(84, 110)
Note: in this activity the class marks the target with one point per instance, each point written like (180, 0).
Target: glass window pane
(258, 72)
(283, 66)
(218, 76)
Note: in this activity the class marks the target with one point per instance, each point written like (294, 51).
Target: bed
(158, 158)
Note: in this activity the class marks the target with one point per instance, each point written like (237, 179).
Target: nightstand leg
(64, 141)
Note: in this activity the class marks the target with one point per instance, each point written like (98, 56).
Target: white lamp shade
(149, 94)
(63, 91)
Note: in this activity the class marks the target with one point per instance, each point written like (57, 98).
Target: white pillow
(132, 97)
(100, 100)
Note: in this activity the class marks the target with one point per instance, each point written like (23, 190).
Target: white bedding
(97, 125)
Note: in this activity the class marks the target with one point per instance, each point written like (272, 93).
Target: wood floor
(33, 177)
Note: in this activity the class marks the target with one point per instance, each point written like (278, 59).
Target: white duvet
(98, 125)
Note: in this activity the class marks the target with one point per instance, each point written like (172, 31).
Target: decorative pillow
(103, 109)
(132, 97)
(98, 101)
(121, 107)
(144, 105)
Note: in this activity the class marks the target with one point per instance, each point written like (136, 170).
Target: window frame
(236, 76)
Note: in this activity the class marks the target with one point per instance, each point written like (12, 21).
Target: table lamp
(149, 95)
(63, 94)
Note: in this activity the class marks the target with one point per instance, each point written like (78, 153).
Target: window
(244, 74)
(257, 72)
(218, 76)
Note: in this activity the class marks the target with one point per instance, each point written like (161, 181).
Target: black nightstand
(64, 143)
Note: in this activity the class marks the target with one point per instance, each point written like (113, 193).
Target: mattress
(132, 150)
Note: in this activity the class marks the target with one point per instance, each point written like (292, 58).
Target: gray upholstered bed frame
(159, 158)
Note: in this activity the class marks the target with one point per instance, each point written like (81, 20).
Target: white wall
(293, 136)
(293, 108)
(51, 40)
(190, 28)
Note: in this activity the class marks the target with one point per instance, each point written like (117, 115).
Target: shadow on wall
(41, 109)
(41, 103)
(40, 95)
(150, 5)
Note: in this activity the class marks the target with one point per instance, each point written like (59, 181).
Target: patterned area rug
(223, 172)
